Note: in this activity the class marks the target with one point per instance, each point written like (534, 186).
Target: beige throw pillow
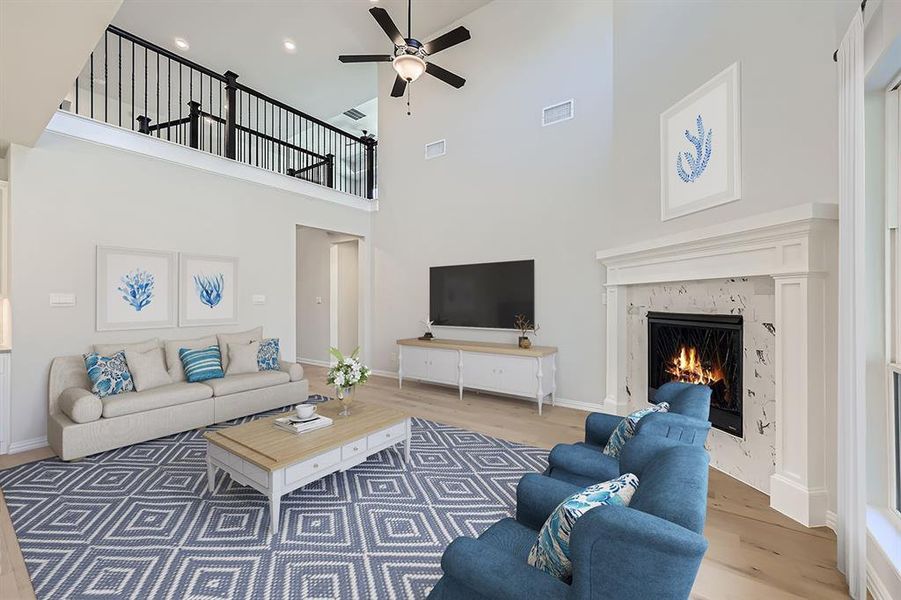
(173, 360)
(242, 358)
(110, 349)
(148, 369)
(242, 337)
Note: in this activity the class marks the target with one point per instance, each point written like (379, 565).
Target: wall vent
(557, 113)
(354, 114)
(435, 149)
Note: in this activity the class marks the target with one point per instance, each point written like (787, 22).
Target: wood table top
(271, 448)
(487, 347)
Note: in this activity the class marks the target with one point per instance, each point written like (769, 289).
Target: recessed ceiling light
(182, 43)
(289, 45)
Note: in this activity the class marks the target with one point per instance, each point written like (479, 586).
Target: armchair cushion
(551, 553)
(599, 427)
(627, 428)
(581, 464)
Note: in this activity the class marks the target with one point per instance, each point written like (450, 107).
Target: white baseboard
(388, 374)
(314, 362)
(26, 445)
(832, 521)
(877, 588)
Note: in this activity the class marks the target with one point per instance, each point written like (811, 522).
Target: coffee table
(275, 462)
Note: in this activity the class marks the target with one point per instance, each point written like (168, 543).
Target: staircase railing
(133, 83)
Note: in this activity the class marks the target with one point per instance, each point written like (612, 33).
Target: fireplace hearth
(704, 349)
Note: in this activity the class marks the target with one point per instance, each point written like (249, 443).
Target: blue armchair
(650, 549)
(584, 463)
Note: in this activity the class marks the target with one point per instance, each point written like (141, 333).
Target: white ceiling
(247, 36)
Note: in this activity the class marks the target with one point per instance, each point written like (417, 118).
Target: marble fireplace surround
(797, 247)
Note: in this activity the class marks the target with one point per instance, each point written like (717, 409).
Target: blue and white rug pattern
(138, 522)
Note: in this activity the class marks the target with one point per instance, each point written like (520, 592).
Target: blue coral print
(697, 163)
(137, 288)
(209, 288)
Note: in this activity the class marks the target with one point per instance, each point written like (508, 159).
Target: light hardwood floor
(754, 551)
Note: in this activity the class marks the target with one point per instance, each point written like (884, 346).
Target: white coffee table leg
(274, 507)
(210, 471)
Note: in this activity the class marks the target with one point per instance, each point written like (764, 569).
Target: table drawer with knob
(304, 469)
(396, 432)
(353, 449)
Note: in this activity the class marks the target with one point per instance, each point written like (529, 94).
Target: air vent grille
(435, 149)
(354, 114)
(557, 113)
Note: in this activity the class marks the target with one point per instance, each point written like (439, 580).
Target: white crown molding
(83, 128)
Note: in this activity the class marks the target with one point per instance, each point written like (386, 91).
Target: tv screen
(482, 295)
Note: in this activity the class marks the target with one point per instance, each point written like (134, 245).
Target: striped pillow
(201, 363)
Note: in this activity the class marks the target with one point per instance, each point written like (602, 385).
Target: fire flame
(687, 367)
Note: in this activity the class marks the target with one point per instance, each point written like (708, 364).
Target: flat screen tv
(483, 295)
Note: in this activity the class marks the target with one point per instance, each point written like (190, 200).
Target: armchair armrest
(613, 547)
(495, 574)
(689, 399)
(294, 370)
(687, 430)
(537, 496)
(584, 461)
(599, 427)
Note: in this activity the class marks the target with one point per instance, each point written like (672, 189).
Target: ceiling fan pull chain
(409, 92)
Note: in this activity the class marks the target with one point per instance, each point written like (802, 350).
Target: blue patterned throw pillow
(267, 358)
(202, 363)
(550, 553)
(626, 429)
(109, 374)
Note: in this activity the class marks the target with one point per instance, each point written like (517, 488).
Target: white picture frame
(136, 288)
(700, 147)
(208, 290)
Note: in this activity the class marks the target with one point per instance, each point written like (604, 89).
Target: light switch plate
(61, 300)
(258, 299)
(318, 299)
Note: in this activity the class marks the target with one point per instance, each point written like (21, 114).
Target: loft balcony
(135, 84)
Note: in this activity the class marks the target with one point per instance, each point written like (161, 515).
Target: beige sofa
(80, 423)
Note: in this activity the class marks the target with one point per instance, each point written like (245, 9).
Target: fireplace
(704, 349)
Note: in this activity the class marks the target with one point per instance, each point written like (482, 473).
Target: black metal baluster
(169, 97)
(145, 81)
(76, 95)
(120, 81)
(92, 85)
(132, 85)
(105, 77)
(157, 93)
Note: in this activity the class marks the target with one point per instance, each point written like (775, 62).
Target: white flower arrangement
(348, 371)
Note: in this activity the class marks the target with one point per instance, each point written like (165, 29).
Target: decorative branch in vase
(346, 374)
(525, 327)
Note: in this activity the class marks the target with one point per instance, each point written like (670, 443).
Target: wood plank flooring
(754, 551)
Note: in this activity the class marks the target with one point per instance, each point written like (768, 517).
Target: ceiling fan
(410, 56)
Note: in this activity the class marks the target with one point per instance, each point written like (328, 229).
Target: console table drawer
(224, 456)
(326, 460)
(254, 473)
(395, 432)
(353, 449)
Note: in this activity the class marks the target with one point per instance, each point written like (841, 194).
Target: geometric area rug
(138, 522)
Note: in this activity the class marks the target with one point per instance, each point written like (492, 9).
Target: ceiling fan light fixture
(409, 66)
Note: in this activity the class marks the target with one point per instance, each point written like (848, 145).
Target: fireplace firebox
(704, 349)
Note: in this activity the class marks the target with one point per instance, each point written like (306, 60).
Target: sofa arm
(599, 427)
(612, 548)
(80, 405)
(688, 430)
(584, 461)
(537, 496)
(294, 370)
(492, 573)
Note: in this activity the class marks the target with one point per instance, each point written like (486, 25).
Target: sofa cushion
(148, 369)
(201, 364)
(242, 358)
(173, 360)
(80, 405)
(511, 537)
(109, 374)
(158, 397)
(247, 381)
(109, 349)
(626, 429)
(242, 337)
(550, 553)
(268, 356)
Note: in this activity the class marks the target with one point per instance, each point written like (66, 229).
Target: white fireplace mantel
(796, 246)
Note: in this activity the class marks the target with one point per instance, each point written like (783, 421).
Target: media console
(500, 368)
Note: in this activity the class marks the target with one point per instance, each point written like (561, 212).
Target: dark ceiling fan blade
(363, 58)
(399, 86)
(451, 38)
(444, 75)
(384, 20)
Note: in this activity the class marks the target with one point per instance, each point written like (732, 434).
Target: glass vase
(346, 398)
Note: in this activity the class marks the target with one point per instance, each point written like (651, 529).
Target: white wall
(348, 296)
(507, 188)
(312, 283)
(69, 195)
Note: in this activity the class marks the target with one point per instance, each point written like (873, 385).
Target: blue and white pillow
(626, 429)
(201, 363)
(550, 553)
(267, 357)
(109, 374)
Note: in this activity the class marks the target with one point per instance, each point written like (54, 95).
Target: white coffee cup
(305, 411)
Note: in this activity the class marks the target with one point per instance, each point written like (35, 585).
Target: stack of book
(295, 424)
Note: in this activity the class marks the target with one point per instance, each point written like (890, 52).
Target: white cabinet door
(443, 366)
(415, 363)
(480, 371)
(519, 375)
